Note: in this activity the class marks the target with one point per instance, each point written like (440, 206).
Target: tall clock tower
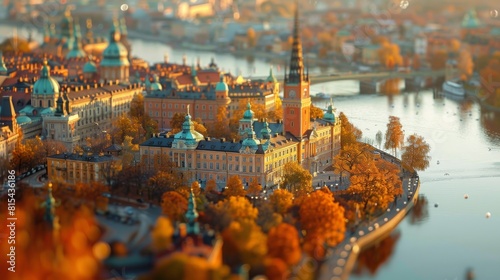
(296, 101)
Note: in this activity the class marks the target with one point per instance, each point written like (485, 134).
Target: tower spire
(296, 74)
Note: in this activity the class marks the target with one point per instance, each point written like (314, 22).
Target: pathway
(339, 260)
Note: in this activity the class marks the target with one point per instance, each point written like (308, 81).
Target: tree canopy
(394, 136)
(296, 179)
(415, 154)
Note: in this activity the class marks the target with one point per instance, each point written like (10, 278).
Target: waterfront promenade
(341, 259)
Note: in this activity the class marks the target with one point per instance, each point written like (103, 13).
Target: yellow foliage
(244, 243)
(161, 235)
(296, 178)
(238, 208)
(281, 200)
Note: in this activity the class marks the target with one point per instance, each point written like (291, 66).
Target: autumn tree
(316, 113)
(415, 154)
(454, 46)
(389, 55)
(211, 186)
(238, 208)
(243, 243)
(174, 205)
(490, 81)
(254, 188)
(15, 44)
(195, 186)
(349, 134)
(394, 136)
(125, 126)
(296, 179)
(267, 218)
(281, 200)
(137, 113)
(161, 235)
(374, 188)
(220, 129)
(251, 37)
(234, 187)
(465, 65)
(438, 59)
(351, 155)
(277, 113)
(283, 243)
(323, 221)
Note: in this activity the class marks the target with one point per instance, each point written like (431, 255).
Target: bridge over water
(371, 79)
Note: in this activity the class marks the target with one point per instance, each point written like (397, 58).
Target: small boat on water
(320, 95)
(453, 89)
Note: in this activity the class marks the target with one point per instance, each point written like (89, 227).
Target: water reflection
(420, 211)
(370, 261)
(490, 122)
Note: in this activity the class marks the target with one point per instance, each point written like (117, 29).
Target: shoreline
(342, 259)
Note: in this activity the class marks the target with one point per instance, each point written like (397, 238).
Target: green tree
(415, 154)
(394, 136)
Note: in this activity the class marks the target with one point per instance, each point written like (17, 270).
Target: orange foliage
(281, 200)
(234, 187)
(323, 220)
(211, 186)
(276, 269)
(174, 205)
(69, 250)
(389, 55)
(349, 134)
(465, 65)
(390, 86)
(394, 136)
(438, 59)
(254, 188)
(283, 243)
(415, 153)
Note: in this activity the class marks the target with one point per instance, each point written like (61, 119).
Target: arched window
(40, 103)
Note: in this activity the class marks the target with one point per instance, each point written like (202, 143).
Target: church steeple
(192, 215)
(296, 97)
(296, 73)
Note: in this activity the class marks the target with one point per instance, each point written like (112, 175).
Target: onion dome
(265, 132)
(250, 142)
(115, 53)
(76, 50)
(329, 116)
(46, 84)
(90, 67)
(156, 84)
(3, 68)
(188, 136)
(248, 115)
(221, 85)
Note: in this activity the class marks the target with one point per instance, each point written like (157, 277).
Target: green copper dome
(221, 85)
(250, 141)
(470, 20)
(156, 84)
(46, 84)
(248, 115)
(271, 78)
(329, 115)
(90, 67)
(188, 136)
(115, 53)
(265, 132)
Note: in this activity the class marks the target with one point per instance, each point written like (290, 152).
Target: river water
(449, 234)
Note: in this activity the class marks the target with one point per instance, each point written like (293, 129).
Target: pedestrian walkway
(340, 259)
